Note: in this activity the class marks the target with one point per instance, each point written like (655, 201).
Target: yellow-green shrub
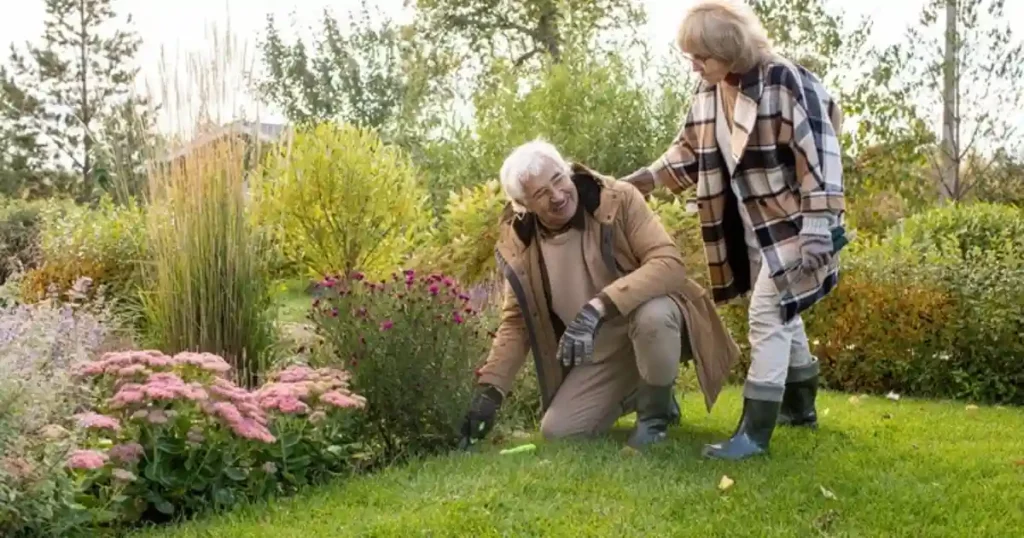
(685, 231)
(464, 244)
(337, 198)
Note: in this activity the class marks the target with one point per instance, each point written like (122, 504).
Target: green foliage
(106, 243)
(591, 108)
(963, 228)
(518, 31)
(464, 244)
(685, 231)
(411, 344)
(339, 198)
(206, 281)
(935, 310)
(19, 236)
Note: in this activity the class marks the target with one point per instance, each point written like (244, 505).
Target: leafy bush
(338, 197)
(207, 287)
(411, 344)
(106, 244)
(40, 345)
(936, 309)
(173, 435)
(685, 231)
(19, 236)
(464, 244)
(986, 227)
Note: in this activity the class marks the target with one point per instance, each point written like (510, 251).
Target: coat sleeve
(509, 347)
(677, 168)
(661, 270)
(812, 123)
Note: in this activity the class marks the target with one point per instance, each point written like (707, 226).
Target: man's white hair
(524, 162)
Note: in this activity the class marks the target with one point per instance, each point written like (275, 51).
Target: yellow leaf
(828, 494)
(971, 407)
(725, 483)
(854, 400)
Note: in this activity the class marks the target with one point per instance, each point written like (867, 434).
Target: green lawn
(907, 468)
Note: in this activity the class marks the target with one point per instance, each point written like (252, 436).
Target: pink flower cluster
(87, 459)
(127, 452)
(158, 386)
(97, 421)
(298, 389)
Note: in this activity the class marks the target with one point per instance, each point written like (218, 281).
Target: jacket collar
(744, 115)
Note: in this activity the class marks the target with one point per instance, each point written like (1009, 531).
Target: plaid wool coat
(785, 142)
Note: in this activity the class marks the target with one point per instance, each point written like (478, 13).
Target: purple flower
(434, 289)
(457, 318)
(386, 325)
(358, 276)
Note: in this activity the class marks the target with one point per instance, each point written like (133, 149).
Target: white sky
(182, 26)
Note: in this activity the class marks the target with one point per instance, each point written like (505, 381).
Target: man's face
(551, 195)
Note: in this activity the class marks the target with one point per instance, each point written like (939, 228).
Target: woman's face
(712, 70)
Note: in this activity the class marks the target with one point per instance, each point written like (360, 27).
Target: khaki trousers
(593, 396)
(778, 351)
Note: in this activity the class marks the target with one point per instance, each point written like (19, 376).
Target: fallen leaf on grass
(855, 400)
(824, 412)
(1019, 463)
(971, 407)
(828, 494)
(629, 451)
(893, 396)
(725, 483)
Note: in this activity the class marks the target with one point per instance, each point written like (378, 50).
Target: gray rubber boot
(753, 434)
(656, 410)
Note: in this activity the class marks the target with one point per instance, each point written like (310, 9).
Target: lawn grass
(292, 300)
(906, 468)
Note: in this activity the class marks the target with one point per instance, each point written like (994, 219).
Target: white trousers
(778, 351)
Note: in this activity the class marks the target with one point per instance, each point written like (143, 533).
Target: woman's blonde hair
(726, 30)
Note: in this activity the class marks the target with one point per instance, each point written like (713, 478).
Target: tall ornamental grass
(208, 289)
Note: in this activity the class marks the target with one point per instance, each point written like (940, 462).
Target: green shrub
(464, 243)
(337, 197)
(963, 227)
(207, 287)
(685, 231)
(106, 243)
(172, 435)
(411, 344)
(19, 236)
(935, 309)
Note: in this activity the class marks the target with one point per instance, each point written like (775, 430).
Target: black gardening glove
(577, 343)
(480, 417)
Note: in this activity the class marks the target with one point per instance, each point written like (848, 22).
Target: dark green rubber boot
(656, 410)
(798, 401)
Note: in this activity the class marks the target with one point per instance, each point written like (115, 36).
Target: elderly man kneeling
(596, 289)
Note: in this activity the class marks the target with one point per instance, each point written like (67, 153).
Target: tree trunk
(950, 165)
(86, 113)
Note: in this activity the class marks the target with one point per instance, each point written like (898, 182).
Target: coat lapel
(745, 114)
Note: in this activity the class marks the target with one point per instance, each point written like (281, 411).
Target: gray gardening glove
(577, 343)
(816, 245)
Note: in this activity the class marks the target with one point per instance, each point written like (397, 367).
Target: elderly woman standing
(761, 144)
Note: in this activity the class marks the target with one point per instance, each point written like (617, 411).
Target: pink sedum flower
(87, 459)
(96, 421)
(338, 399)
(127, 452)
(386, 325)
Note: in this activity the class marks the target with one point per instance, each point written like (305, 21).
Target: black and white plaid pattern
(786, 142)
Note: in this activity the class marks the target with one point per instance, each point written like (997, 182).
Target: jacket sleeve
(812, 123)
(677, 168)
(509, 347)
(661, 270)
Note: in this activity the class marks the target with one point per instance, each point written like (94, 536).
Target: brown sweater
(572, 287)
